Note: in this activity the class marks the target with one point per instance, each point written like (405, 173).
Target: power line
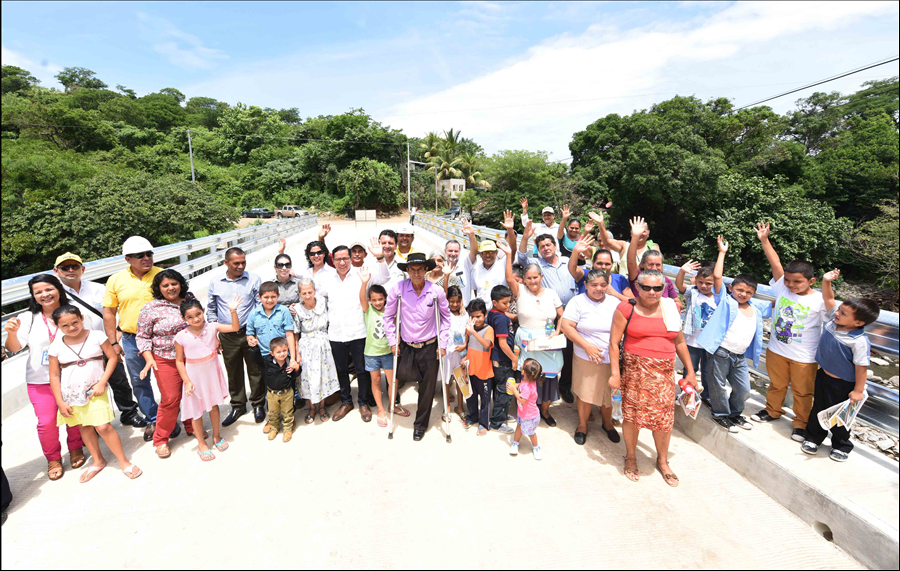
(821, 81)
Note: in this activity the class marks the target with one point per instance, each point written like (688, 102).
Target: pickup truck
(290, 211)
(258, 213)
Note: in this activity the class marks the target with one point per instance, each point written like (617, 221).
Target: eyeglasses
(141, 255)
(338, 260)
(283, 265)
(316, 253)
(657, 289)
(68, 268)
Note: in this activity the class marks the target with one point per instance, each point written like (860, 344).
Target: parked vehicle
(453, 213)
(258, 213)
(290, 211)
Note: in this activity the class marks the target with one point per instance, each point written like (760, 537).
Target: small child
(733, 334)
(318, 378)
(796, 327)
(480, 339)
(458, 321)
(843, 356)
(78, 379)
(700, 303)
(528, 413)
(377, 351)
(502, 356)
(279, 375)
(197, 361)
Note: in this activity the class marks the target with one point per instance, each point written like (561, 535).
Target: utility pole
(191, 153)
(408, 177)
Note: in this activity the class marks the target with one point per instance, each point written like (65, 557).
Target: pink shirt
(417, 315)
(529, 410)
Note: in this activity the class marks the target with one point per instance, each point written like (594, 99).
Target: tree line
(87, 166)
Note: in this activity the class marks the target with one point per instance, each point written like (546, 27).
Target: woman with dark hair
(288, 289)
(35, 329)
(320, 265)
(158, 323)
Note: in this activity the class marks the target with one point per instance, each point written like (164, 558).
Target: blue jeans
(501, 398)
(142, 389)
(723, 369)
(699, 358)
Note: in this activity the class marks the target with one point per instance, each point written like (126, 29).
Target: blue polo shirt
(617, 281)
(267, 327)
(502, 325)
(839, 352)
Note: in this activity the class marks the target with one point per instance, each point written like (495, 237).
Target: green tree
(123, 109)
(244, 128)
(90, 99)
(15, 79)
(875, 245)
(79, 77)
(130, 93)
(517, 174)
(368, 184)
(179, 96)
(162, 111)
(878, 96)
(818, 119)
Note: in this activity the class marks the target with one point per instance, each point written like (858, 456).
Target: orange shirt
(480, 357)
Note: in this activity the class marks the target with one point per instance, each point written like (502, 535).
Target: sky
(507, 75)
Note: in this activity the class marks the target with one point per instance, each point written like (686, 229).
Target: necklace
(80, 362)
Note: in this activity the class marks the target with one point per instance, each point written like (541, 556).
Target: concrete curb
(865, 537)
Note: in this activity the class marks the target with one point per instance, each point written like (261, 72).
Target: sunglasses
(317, 253)
(652, 288)
(68, 268)
(283, 265)
(141, 255)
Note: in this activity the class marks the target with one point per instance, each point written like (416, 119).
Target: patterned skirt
(648, 392)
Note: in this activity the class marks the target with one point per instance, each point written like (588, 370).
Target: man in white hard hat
(127, 292)
(405, 236)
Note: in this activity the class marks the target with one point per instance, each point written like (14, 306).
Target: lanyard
(50, 334)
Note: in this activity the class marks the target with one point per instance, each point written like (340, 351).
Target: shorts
(375, 363)
(528, 425)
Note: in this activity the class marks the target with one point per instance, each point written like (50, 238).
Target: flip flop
(221, 445)
(208, 456)
(382, 422)
(163, 451)
(400, 411)
(670, 478)
(632, 473)
(89, 474)
(132, 472)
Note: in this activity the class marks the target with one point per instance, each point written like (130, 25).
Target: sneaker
(505, 429)
(798, 435)
(511, 418)
(514, 449)
(741, 422)
(725, 423)
(537, 453)
(839, 455)
(762, 416)
(809, 447)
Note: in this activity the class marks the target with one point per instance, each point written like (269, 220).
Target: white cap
(136, 245)
(406, 229)
(548, 209)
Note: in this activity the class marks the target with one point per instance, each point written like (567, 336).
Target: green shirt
(376, 341)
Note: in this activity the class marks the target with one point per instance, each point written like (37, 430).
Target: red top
(647, 336)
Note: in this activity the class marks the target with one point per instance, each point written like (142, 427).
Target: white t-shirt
(534, 311)
(701, 309)
(92, 293)
(484, 279)
(740, 334)
(464, 278)
(36, 335)
(796, 323)
(593, 321)
(75, 380)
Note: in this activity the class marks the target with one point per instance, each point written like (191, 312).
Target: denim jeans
(723, 369)
(501, 398)
(699, 358)
(135, 362)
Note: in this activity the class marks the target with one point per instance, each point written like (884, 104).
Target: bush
(875, 245)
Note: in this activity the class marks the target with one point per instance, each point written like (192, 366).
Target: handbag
(633, 302)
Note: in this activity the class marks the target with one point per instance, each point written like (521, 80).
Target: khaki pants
(802, 379)
(281, 405)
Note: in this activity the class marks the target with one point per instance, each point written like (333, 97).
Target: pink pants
(45, 409)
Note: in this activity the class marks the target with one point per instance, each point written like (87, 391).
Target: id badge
(45, 359)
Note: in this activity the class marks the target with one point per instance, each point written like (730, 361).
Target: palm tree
(470, 166)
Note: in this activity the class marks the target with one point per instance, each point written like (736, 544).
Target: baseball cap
(360, 244)
(135, 245)
(406, 229)
(66, 257)
(548, 209)
(487, 246)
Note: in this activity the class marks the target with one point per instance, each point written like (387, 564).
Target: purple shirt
(417, 316)
(670, 290)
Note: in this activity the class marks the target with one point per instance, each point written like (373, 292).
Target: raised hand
(323, 231)
(832, 275)
(566, 211)
(588, 226)
(762, 231)
(598, 218)
(467, 228)
(508, 220)
(637, 226)
(529, 230)
(524, 202)
(13, 325)
(282, 244)
(375, 247)
(504, 247)
(446, 268)
(470, 325)
(234, 303)
(723, 245)
(364, 274)
(691, 266)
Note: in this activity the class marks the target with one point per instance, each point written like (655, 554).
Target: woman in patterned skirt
(652, 339)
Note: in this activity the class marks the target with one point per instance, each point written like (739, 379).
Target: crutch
(396, 355)
(445, 417)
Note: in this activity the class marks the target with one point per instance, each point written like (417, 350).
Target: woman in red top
(652, 340)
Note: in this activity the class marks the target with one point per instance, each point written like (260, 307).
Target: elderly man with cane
(424, 333)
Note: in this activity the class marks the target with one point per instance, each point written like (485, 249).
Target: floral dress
(318, 375)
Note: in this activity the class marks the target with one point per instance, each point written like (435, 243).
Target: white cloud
(179, 47)
(43, 70)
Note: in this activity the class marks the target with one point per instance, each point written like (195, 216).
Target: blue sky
(509, 75)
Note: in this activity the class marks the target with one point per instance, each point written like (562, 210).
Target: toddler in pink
(528, 413)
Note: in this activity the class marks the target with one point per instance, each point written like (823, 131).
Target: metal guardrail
(451, 229)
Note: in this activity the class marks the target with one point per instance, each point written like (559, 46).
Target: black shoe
(762, 416)
(299, 403)
(798, 435)
(176, 431)
(725, 423)
(580, 437)
(613, 435)
(418, 434)
(549, 420)
(741, 422)
(148, 431)
(235, 414)
(707, 402)
(809, 447)
(134, 418)
(567, 395)
(259, 414)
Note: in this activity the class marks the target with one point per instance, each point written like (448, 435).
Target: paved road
(341, 495)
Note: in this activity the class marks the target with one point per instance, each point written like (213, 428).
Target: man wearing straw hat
(423, 339)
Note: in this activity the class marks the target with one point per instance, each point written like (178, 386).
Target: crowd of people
(588, 320)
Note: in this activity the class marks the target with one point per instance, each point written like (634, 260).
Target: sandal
(323, 414)
(89, 474)
(632, 473)
(208, 456)
(163, 451)
(669, 477)
(311, 416)
(132, 472)
(400, 411)
(382, 422)
(76, 458)
(221, 445)
(54, 470)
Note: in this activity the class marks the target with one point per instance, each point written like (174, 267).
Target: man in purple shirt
(420, 344)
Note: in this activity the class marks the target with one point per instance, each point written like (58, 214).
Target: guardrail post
(182, 259)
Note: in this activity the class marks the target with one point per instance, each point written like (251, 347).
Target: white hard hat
(136, 245)
(406, 229)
